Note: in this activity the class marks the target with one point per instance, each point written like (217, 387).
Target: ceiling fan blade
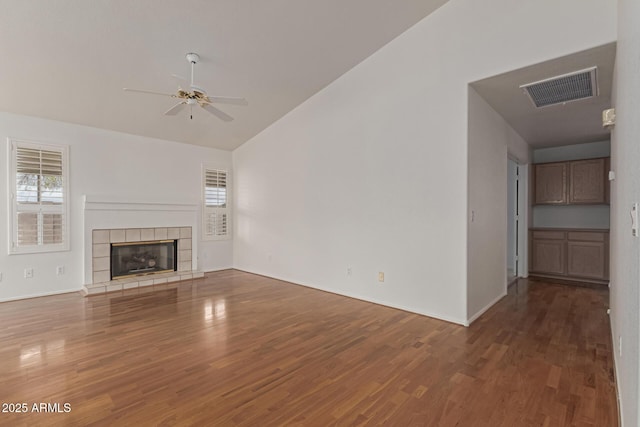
(175, 109)
(228, 100)
(218, 113)
(179, 77)
(149, 92)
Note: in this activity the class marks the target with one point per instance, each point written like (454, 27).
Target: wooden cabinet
(551, 183)
(548, 252)
(574, 182)
(581, 255)
(587, 181)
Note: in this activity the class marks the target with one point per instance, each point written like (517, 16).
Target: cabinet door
(548, 256)
(586, 259)
(551, 181)
(587, 181)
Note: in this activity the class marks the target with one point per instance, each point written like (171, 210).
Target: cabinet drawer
(549, 235)
(587, 236)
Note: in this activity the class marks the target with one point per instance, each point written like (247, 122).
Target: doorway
(513, 219)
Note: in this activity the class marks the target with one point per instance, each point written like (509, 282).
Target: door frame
(523, 211)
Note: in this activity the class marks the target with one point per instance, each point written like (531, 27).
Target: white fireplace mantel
(115, 203)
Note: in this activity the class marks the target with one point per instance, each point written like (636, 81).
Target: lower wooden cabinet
(549, 256)
(570, 254)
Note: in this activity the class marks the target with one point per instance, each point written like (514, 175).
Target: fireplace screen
(132, 259)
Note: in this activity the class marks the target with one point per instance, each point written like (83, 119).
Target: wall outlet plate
(381, 276)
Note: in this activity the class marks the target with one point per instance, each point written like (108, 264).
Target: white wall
(102, 163)
(583, 216)
(571, 216)
(518, 148)
(590, 150)
(371, 172)
(487, 204)
(625, 249)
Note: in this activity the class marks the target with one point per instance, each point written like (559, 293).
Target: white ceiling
(68, 60)
(573, 123)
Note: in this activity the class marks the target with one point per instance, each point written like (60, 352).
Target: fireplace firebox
(140, 258)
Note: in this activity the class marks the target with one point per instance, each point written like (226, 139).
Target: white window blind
(39, 219)
(216, 204)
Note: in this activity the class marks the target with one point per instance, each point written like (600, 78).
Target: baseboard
(568, 281)
(363, 298)
(615, 373)
(43, 294)
(485, 308)
(217, 269)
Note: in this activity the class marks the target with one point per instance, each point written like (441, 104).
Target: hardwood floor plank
(240, 349)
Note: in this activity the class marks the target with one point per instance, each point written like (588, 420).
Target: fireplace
(121, 258)
(142, 258)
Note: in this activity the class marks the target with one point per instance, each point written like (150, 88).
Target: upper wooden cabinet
(587, 181)
(551, 183)
(574, 182)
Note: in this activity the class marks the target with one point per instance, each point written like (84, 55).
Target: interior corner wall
(370, 174)
(102, 163)
(625, 191)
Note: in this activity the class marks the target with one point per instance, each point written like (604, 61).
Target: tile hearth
(140, 281)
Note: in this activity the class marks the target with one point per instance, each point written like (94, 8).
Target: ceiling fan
(196, 96)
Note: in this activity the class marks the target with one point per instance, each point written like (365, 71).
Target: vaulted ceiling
(69, 60)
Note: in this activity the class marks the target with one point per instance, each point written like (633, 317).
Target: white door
(512, 219)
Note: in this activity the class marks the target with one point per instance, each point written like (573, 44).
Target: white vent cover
(562, 89)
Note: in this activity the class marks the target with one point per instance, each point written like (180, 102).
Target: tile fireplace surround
(101, 261)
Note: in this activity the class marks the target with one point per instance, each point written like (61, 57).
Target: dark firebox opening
(139, 258)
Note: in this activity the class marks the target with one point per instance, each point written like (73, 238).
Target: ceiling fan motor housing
(193, 58)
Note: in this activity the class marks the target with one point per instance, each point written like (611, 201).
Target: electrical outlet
(28, 273)
(60, 270)
(381, 276)
(349, 271)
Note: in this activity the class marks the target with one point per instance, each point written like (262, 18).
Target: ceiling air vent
(562, 89)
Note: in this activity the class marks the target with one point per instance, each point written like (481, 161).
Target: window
(215, 204)
(38, 197)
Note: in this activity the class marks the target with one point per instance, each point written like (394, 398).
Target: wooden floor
(240, 349)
